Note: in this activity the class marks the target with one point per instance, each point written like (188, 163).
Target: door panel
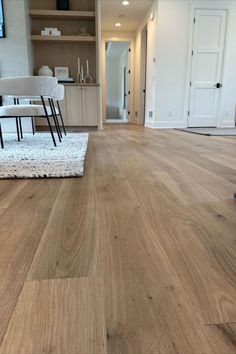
(204, 102)
(206, 73)
(209, 29)
(207, 66)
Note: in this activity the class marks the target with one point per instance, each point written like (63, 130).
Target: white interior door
(207, 66)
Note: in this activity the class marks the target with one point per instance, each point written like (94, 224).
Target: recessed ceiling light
(118, 24)
(125, 2)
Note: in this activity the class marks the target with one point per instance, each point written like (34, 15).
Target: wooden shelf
(62, 15)
(65, 49)
(39, 38)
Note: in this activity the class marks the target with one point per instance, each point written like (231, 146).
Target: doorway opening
(117, 82)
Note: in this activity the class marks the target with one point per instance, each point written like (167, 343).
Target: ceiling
(133, 14)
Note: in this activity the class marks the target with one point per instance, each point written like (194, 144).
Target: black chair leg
(62, 120)
(18, 126)
(54, 116)
(48, 120)
(17, 129)
(21, 130)
(33, 126)
(1, 137)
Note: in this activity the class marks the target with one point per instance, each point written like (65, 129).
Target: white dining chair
(60, 94)
(60, 97)
(30, 88)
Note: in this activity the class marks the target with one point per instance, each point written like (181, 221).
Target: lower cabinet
(90, 106)
(74, 115)
(80, 106)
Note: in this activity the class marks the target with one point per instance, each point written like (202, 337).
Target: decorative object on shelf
(82, 80)
(88, 78)
(50, 31)
(70, 80)
(78, 71)
(83, 32)
(45, 71)
(2, 26)
(80, 74)
(61, 72)
(63, 5)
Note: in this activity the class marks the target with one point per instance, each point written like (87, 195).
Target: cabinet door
(74, 106)
(90, 106)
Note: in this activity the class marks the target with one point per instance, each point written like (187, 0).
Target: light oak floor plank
(153, 218)
(171, 221)
(9, 190)
(129, 228)
(21, 228)
(69, 246)
(58, 316)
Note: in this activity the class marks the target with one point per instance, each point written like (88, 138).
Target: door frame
(206, 6)
(143, 71)
(111, 38)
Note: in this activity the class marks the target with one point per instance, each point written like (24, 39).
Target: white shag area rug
(36, 157)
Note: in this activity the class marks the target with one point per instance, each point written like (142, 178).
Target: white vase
(45, 71)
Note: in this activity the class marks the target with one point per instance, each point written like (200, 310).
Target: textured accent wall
(15, 49)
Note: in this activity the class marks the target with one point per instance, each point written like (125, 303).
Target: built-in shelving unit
(37, 38)
(81, 104)
(62, 15)
(64, 50)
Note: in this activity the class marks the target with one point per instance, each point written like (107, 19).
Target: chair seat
(24, 111)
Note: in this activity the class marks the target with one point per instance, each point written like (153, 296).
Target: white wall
(172, 48)
(168, 41)
(152, 28)
(15, 49)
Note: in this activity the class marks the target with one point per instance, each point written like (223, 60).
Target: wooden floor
(136, 257)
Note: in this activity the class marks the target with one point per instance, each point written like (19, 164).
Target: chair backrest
(31, 86)
(60, 93)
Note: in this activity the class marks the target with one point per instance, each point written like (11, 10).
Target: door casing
(110, 38)
(144, 43)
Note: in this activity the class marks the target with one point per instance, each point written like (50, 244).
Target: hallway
(139, 254)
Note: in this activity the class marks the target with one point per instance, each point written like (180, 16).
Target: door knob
(218, 85)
